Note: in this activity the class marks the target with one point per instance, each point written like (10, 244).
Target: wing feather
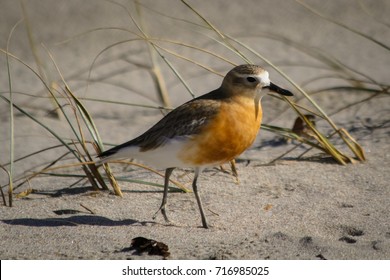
(185, 121)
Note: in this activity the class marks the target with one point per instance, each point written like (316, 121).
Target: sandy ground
(310, 208)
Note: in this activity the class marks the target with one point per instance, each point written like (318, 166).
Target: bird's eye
(251, 79)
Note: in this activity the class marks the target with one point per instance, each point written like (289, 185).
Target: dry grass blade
(329, 147)
(10, 188)
(220, 34)
(178, 184)
(353, 144)
(323, 140)
(43, 73)
(288, 133)
(367, 11)
(314, 11)
(50, 167)
(145, 37)
(189, 60)
(51, 131)
(11, 113)
(93, 173)
(34, 173)
(82, 155)
(155, 70)
(98, 146)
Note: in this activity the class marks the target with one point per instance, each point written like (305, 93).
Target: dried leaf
(25, 193)
(152, 247)
(301, 128)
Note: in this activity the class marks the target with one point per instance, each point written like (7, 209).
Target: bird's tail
(109, 155)
(123, 151)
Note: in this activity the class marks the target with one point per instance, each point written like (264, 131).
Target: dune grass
(86, 141)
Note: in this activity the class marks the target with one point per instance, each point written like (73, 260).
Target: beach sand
(307, 208)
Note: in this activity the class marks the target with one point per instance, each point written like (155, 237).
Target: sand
(308, 208)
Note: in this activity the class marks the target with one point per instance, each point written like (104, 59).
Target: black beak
(282, 91)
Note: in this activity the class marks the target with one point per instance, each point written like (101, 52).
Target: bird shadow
(73, 221)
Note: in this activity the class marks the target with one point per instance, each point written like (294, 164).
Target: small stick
(89, 210)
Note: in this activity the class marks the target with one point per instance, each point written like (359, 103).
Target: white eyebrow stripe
(263, 77)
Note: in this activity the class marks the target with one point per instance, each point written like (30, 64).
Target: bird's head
(251, 80)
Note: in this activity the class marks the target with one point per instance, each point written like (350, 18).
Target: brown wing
(186, 120)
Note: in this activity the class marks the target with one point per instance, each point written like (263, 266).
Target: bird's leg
(168, 173)
(195, 188)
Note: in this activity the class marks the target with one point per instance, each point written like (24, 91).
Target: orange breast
(230, 133)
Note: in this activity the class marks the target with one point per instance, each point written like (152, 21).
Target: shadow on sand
(72, 221)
